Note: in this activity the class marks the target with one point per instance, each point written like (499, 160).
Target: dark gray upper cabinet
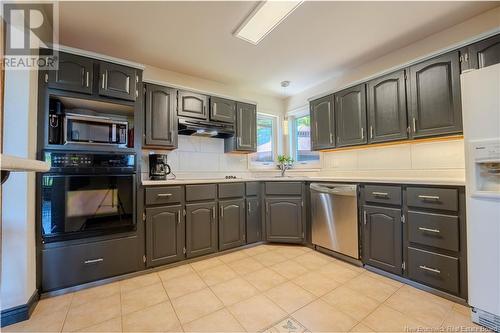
(201, 229)
(382, 246)
(192, 105)
(75, 73)
(434, 96)
(387, 108)
(245, 138)
(222, 109)
(484, 53)
(165, 235)
(117, 81)
(254, 225)
(350, 115)
(284, 220)
(322, 123)
(161, 120)
(231, 223)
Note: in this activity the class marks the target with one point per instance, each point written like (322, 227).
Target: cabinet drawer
(284, 188)
(435, 198)
(232, 190)
(383, 194)
(164, 195)
(434, 230)
(252, 188)
(76, 264)
(201, 192)
(433, 269)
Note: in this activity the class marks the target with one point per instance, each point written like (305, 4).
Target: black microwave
(94, 130)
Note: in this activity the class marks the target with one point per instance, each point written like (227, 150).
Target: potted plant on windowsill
(285, 162)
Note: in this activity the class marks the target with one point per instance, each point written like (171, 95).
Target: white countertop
(20, 164)
(361, 179)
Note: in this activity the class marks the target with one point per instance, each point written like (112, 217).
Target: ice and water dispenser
(484, 159)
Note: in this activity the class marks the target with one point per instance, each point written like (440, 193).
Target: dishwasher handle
(337, 189)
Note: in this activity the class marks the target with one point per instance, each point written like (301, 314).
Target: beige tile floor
(271, 288)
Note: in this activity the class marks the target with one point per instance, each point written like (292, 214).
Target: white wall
(18, 193)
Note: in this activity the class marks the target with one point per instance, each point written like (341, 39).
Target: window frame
(276, 132)
(292, 118)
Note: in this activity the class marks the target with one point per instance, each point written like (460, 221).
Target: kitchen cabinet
(434, 96)
(382, 245)
(192, 105)
(165, 235)
(284, 220)
(254, 224)
(386, 105)
(75, 73)
(222, 109)
(161, 120)
(322, 123)
(350, 115)
(117, 81)
(484, 53)
(245, 138)
(201, 229)
(231, 223)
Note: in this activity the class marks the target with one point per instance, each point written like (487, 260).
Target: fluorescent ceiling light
(265, 17)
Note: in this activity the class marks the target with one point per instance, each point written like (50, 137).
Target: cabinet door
(117, 81)
(201, 229)
(246, 127)
(485, 53)
(161, 120)
(75, 73)
(322, 123)
(284, 222)
(254, 225)
(382, 246)
(165, 230)
(192, 105)
(231, 223)
(350, 115)
(434, 96)
(387, 108)
(222, 110)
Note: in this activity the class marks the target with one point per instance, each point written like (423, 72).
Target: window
(301, 140)
(266, 139)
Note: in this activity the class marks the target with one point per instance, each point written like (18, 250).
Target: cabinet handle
(267, 207)
(162, 195)
(429, 197)
(179, 217)
(436, 231)
(87, 79)
(414, 125)
(331, 138)
(433, 270)
(93, 261)
(364, 217)
(221, 211)
(380, 194)
(213, 213)
(103, 80)
(371, 132)
(362, 133)
(249, 204)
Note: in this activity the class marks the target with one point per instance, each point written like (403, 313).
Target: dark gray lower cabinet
(284, 220)
(201, 229)
(165, 235)
(231, 223)
(254, 224)
(382, 245)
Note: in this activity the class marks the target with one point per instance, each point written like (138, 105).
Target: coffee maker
(56, 118)
(158, 167)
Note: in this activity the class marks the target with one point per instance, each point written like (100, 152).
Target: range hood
(198, 127)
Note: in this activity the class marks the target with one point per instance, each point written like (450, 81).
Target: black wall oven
(87, 194)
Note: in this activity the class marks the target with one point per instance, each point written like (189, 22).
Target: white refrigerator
(481, 122)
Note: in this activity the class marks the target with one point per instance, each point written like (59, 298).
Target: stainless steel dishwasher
(334, 209)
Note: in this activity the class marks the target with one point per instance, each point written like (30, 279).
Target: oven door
(79, 206)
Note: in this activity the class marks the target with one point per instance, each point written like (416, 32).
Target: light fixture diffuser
(265, 17)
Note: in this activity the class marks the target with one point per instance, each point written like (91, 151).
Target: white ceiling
(317, 41)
